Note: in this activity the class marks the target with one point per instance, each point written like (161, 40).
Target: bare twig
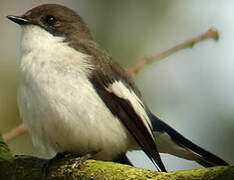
(210, 34)
(21, 129)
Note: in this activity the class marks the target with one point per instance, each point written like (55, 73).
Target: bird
(74, 97)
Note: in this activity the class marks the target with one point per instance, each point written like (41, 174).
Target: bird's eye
(50, 20)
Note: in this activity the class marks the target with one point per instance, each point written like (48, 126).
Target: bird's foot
(75, 162)
(79, 161)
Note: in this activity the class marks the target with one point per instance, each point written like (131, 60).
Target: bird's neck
(41, 51)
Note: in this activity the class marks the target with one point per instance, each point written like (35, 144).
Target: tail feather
(205, 158)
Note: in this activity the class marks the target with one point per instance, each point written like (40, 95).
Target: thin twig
(210, 34)
(21, 129)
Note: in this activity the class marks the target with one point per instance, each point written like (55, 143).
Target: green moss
(5, 154)
(99, 170)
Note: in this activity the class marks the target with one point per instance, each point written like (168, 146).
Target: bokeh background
(191, 90)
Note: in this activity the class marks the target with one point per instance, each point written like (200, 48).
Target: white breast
(59, 104)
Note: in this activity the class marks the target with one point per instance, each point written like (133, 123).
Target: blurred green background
(191, 90)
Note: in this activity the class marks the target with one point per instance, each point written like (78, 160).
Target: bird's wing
(121, 96)
(124, 103)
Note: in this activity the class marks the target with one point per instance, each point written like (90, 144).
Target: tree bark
(69, 168)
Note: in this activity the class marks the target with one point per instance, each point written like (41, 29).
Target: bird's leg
(123, 159)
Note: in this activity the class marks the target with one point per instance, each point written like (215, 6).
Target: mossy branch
(31, 168)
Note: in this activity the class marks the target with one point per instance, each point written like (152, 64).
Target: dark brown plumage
(68, 23)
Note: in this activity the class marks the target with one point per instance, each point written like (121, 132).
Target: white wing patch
(120, 90)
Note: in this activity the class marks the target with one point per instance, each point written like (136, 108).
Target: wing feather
(124, 108)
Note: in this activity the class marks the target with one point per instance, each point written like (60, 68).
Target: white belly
(68, 115)
(58, 103)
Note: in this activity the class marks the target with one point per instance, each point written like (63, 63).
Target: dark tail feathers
(206, 159)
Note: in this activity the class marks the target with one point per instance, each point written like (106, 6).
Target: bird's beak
(18, 19)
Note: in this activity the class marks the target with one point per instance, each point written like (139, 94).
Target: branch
(210, 34)
(27, 168)
(15, 132)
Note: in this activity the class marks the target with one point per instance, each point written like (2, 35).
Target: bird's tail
(172, 142)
